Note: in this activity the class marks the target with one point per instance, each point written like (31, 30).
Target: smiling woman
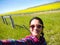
(35, 38)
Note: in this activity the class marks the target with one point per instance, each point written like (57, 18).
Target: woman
(35, 38)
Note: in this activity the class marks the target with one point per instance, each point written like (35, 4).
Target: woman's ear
(42, 34)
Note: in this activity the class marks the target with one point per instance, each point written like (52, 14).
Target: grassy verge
(51, 30)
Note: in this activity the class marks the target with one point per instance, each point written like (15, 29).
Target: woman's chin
(35, 35)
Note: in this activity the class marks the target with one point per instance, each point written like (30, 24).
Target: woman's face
(35, 28)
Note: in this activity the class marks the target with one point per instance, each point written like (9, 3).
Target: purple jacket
(29, 40)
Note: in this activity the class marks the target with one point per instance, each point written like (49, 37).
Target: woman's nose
(35, 27)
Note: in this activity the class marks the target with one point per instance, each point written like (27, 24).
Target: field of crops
(51, 27)
(46, 7)
(39, 8)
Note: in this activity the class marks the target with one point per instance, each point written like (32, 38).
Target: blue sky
(13, 5)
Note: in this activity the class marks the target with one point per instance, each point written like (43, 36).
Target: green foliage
(51, 27)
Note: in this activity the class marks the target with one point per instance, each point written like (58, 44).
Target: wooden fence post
(4, 20)
(12, 22)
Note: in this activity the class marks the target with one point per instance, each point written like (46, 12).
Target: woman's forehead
(35, 21)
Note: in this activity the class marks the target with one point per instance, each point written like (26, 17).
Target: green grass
(51, 27)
